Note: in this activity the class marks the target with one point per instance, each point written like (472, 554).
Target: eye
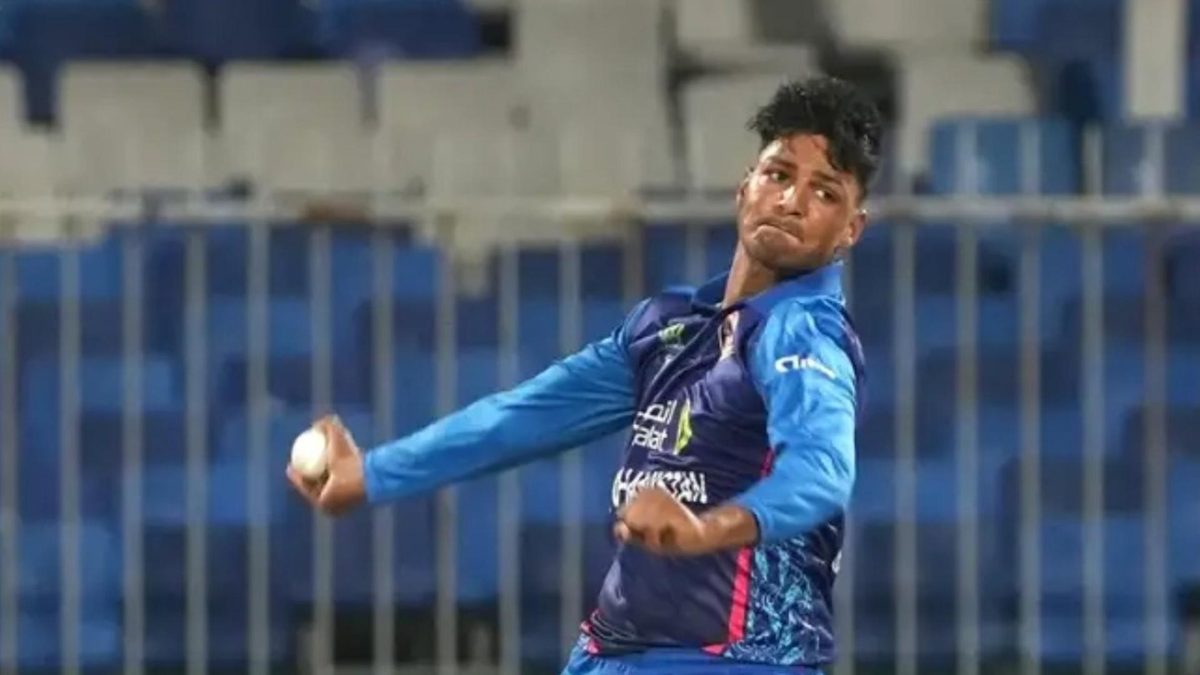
(826, 195)
(777, 176)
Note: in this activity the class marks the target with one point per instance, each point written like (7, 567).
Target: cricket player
(739, 402)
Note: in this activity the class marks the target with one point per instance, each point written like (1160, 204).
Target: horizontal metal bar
(287, 210)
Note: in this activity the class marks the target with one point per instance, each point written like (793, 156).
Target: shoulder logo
(795, 362)
(672, 335)
(683, 433)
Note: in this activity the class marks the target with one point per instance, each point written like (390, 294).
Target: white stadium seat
(295, 127)
(715, 111)
(12, 113)
(130, 125)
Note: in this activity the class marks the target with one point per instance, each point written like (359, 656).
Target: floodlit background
(220, 218)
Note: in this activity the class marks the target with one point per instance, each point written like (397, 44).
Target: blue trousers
(669, 662)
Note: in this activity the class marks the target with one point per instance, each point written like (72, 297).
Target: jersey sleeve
(807, 382)
(578, 399)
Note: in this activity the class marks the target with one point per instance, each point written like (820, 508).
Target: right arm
(583, 397)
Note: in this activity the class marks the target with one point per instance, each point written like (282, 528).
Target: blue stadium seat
(38, 275)
(1083, 90)
(416, 272)
(1072, 29)
(539, 274)
(877, 428)
(719, 247)
(1061, 488)
(289, 325)
(1180, 175)
(47, 34)
(1126, 163)
(1183, 430)
(221, 30)
(1183, 274)
(999, 151)
(541, 569)
(102, 440)
(421, 29)
(164, 485)
(478, 371)
(665, 249)
(1014, 24)
(39, 272)
(352, 281)
(40, 551)
(873, 272)
(414, 549)
(1183, 507)
(166, 634)
(101, 387)
(39, 645)
(1062, 564)
(1125, 321)
(290, 381)
(39, 327)
(282, 426)
(39, 496)
(541, 483)
(873, 555)
(414, 391)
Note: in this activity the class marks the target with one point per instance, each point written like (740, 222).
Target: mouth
(785, 228)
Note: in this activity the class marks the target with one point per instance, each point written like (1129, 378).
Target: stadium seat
(30, 167)
(1180, 176)
(618, 41)
(1133, 159)
(414, 576)
(163, 440)
(1014, 24)
(419, 102)
(715, 112)
(289, 381)
(288, 328)
(1183, 276)
(1182, 425)
(385, 29)
(134, 126)
(1070, 29)
(722, 36)
(101, 385)
(40, 550)
(40, 273)
(933, 85)
(602, 63)
(39, 326)
(1183, 506)
(998, 156)
(48, 34)
(227, 634)
(215, 31)
(226, 491)
(40, 646)
(295, 127)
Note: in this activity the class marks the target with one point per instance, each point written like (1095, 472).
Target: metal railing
(441, 224)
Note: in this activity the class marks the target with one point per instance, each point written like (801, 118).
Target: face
(795, 211)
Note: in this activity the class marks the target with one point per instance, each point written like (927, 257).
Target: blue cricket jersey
(753, 404)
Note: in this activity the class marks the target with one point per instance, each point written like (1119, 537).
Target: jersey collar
(823, 281)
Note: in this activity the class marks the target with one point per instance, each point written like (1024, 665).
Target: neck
(747, 278)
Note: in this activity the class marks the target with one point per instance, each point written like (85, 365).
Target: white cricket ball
(308, 455)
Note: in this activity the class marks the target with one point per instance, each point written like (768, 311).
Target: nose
(793, 201)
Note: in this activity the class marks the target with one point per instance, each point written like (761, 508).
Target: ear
(743, 186)
(855, 231)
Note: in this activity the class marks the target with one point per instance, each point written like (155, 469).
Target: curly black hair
(832, 108)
